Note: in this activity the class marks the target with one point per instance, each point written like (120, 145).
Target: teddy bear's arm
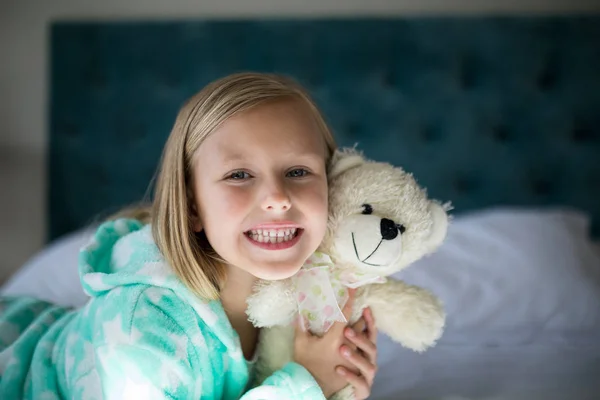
(273, 303)
(410, 315)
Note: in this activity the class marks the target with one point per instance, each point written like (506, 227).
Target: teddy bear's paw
(413, 316)
(346, 393)
(274, 350)
(271, 304)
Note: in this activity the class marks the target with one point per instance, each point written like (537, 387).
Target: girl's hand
(362, 355)
(321, 355)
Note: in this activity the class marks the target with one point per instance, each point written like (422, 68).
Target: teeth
(273, 235)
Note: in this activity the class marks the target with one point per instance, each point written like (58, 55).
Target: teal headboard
(485, 111)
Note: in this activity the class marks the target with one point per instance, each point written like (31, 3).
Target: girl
(241, 195)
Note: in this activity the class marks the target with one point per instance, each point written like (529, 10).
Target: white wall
(23, 83)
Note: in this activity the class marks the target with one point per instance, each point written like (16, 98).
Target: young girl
(241, 195)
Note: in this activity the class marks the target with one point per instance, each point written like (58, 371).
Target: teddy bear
(380, 222)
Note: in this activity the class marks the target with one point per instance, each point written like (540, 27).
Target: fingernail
(346, 352)
(341, 371)
(350, 332)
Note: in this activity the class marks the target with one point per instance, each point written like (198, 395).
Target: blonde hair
(188, 253)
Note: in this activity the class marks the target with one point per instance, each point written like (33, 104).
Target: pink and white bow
(322, 291)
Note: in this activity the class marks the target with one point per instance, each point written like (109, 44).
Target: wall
(23, 83)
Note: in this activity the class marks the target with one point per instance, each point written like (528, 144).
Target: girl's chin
(276, 272)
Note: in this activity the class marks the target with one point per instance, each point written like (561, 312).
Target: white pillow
(514, 277)
(506, 276)
(52, 274)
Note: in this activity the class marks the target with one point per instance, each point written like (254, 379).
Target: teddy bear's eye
(367, 209)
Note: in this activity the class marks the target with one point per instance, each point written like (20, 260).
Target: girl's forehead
(279, 129)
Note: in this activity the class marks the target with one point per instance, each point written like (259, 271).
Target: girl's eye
(239, 175)
(297, 173)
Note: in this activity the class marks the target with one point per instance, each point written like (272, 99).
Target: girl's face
(260, 189)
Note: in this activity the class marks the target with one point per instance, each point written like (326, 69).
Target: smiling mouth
(282, 239)
(373, 252)
(273, 235)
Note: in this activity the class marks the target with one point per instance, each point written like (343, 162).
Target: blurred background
(24, 49)
(493, 105)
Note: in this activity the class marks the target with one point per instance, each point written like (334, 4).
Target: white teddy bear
(380, 221)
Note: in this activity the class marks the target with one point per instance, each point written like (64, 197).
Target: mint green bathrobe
(142, 335)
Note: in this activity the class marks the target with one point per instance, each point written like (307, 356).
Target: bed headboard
(484, 111)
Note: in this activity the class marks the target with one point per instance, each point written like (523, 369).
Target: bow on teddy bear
(380, 221)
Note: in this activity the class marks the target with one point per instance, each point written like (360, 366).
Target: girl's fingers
(360, 325)
(363, 343)
(366, 368)
(362, 389)
(347, 310)
(371, 328)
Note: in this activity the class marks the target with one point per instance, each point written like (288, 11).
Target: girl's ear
(195, 215)
(196, 223)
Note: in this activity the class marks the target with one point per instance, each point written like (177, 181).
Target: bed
(500, 116)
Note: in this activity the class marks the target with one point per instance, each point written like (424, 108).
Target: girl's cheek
(236, 201)
(314, 194)
(323, 194)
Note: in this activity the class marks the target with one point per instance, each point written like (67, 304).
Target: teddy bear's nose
(389, 229)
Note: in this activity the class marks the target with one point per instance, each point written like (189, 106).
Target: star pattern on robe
(114, 332)
(8, 360)
(91, 388)
(156, 294)
(122, 254)
(134, 389)
(9, 332)
(180, 343)
(69, 356)
(158, 272)
(204, 312)
(88, 359)
(48, 395)
(95, 281)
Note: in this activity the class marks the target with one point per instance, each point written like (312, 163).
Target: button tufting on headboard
(96, 79)
(429, 133)
(354, 130)
(131, 132)
(314, 78)
(548, 78)
(388, 79)
(169, 81)
(583, 134)
(484, 111)
(541, 187)
(465, 185)
(467, 73)
(501, 133)
(67, 129)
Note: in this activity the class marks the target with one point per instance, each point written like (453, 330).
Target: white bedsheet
(522, 293)
(530, 372)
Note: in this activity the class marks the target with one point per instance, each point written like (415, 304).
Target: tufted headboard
(484, 111)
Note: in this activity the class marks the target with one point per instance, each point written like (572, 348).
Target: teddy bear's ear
(343, 160)
(440, 225)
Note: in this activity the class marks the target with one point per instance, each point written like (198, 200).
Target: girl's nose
(277, 199)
